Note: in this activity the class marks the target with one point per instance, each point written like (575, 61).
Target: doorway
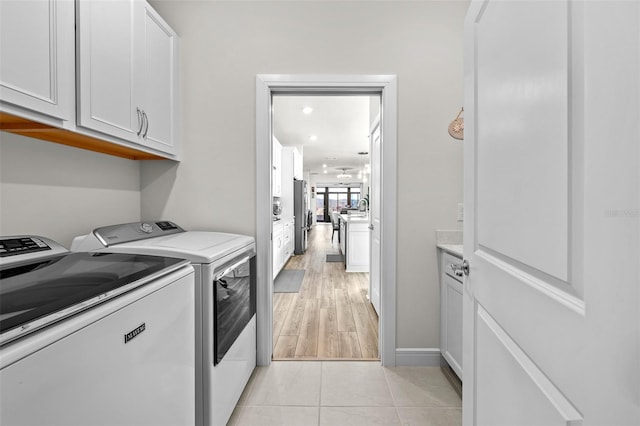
(386, 87)
(321, 305)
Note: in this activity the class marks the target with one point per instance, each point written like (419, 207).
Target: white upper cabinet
(127, 79)
(160, 82)
(37, 58)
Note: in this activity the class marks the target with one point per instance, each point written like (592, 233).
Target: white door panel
(551, 320)
(515, 390)
(522, 133)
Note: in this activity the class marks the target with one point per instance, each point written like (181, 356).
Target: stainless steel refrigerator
(300, 212)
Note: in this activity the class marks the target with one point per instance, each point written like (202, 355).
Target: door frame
(386, 87)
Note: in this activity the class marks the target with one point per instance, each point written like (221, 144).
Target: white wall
(59, 192)
(225, 44)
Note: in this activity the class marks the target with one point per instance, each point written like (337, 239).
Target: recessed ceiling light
(313, 138)
(325, 172)
(324, 166)
(307, 110)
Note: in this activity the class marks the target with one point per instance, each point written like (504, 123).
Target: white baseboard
(418, 357)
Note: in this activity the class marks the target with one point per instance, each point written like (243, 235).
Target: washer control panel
(21, 245)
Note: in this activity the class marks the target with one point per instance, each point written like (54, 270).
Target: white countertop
(354, 218)
(454, 249)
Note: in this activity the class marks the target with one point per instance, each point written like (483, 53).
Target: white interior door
(374, 215)
(552, 188)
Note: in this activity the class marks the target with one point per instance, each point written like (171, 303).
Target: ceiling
(341, 125)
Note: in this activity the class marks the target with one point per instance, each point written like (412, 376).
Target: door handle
(460, 269)
(371, 227)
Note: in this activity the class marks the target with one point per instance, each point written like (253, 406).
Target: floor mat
(288, 281)
(335, 258)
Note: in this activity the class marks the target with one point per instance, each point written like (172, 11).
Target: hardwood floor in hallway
(330, 318)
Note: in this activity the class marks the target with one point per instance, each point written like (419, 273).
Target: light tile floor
(350, 393)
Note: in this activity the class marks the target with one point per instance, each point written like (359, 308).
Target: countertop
(354, 218)
(454, 249)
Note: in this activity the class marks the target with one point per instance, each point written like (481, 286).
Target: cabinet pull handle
(146, 129)
(140, 120)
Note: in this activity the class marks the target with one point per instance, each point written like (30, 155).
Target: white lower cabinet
(343, 238)
(278, 247)
(354, 243)
(282, 244)
(357, 241)
(288, 241)
(451, 313)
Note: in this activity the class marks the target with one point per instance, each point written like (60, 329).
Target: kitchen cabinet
(111, 86)
(288, 241)
(278, 247)
(343, 238)
(354, 242)
(37, 59)
(127, 78)
(277, 169)
(451, 312)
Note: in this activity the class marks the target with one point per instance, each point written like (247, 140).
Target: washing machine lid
(38, 293)
(194, 246)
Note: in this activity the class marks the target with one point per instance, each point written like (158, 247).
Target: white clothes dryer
(225, 302)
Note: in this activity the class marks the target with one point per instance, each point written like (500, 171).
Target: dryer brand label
(134, 333)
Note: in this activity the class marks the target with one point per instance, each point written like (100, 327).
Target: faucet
(362, 205)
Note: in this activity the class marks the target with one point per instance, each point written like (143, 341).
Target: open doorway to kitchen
(268, 87)
(322, 308)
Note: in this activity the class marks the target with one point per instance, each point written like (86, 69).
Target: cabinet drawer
(447, 260)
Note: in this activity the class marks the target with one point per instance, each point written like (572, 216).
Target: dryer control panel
(135, 231)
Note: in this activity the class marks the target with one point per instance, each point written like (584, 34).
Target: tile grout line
(393, 397)
(320, 391)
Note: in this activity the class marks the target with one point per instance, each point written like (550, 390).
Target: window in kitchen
(330, 199)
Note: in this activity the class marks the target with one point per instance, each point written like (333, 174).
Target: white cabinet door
(160, 83)
(127, 73)
(278, 248)
(343, 239)
(37, 49)
(451, 313)
(108, 66)
(552, 202)
(287, 241)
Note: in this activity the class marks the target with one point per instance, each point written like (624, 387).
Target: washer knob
(146, 227)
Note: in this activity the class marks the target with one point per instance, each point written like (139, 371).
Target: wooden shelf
(21, 126)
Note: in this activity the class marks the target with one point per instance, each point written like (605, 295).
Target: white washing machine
(94, 338)
(225, 295)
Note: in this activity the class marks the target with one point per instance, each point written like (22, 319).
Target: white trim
(386, 85)
(418, 357)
